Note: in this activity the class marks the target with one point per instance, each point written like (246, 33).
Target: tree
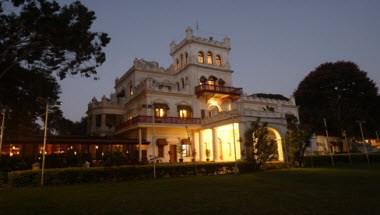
(342, 94)
(41, 40)
(21, 93)
(59, 125)
(43, 35)
(297, 140)
(260, 148)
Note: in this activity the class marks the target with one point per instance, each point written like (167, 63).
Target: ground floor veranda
(181, 143)
(150, 143)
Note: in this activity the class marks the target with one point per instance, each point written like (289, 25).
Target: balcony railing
(149, 119)
(200, 89)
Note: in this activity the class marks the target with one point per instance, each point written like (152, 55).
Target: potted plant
(208, 154)
(193, 153)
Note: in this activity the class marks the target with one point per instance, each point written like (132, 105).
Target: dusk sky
(275, 44)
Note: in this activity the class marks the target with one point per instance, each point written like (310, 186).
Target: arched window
(212, 80)
(221, 82)
(213, 110)
(160, 109)
(218, 60)
(209, 57)
(201, 57)
(181, 60)
(177, 65)
(186, 58)
(202, 80)
(184, 111)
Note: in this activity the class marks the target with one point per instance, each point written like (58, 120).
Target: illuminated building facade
(189, 111)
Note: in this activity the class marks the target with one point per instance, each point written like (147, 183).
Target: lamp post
(154, 159)
(47, 106)
(363, 140)
(44, 143)
(2, 129)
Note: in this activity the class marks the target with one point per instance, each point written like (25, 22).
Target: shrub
(76, 175)
(341, 159)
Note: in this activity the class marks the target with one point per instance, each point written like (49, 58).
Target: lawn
(291, 191)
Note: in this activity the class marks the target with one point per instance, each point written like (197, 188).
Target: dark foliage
(297, 140)
(100, 174)
(40, 40)
(341, 93)
(260, 148)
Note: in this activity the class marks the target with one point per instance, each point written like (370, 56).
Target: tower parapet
(190, 37)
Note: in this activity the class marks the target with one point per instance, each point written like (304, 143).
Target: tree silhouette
(342, 94)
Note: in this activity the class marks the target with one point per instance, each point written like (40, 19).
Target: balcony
(159, 120)
(218, 91)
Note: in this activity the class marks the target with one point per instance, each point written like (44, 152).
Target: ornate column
(200, 143)
(215, 153)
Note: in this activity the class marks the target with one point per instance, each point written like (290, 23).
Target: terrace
(217, 91)
(161, 120)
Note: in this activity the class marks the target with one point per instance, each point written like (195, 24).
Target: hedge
(77, 175)
(340, 159)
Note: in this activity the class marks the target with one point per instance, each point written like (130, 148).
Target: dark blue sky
(275, 44)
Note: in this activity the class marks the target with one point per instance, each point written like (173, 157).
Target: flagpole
(363, 141)
(327, 141)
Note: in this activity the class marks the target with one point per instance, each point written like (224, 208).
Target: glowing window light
(183, 113)
(160, 112)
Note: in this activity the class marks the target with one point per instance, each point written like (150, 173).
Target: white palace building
(190, 111)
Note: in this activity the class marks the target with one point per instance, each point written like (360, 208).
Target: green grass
(294, 191)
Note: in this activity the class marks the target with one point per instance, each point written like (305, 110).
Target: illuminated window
(185, 149)
(201, 57)
(159, 112)
(209, 58)
(218, 60)
(160, 109)
(184, 111)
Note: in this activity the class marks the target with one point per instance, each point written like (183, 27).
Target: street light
(45, 137)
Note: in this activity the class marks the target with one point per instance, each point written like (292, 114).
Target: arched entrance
(274, 135)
